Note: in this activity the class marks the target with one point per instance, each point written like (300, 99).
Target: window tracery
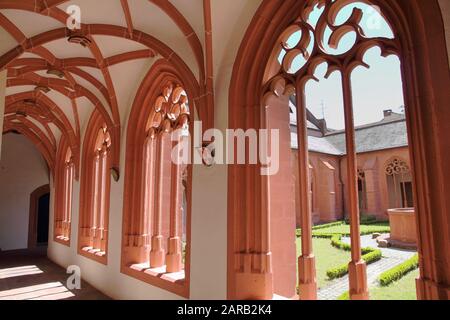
(64, 191)
(334, 33)
(95, 189)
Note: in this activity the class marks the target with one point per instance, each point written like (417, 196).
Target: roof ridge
(366, 126)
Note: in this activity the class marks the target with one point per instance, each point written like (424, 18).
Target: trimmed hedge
(364, 219)
(327, 225)
(337, 243)
(317, 231)
(344, 296)
(398, 272)
(340, 271)
(321, 226)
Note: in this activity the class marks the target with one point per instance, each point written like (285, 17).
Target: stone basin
(403, 225)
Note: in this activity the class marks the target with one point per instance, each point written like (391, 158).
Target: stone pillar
(282, 201)
(103, 200)
(306, 262)
(95, 202)
(148, 204)
(357, 267)
(174, 255)
(157, 253)
(68, 184)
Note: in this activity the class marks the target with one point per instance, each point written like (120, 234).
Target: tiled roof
(386, 134)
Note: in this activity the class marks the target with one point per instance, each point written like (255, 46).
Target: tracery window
(94, 218)
(333, 36)
(399, 180)
(362, 190)
(164, 177)
(155, 239)
(63, 199)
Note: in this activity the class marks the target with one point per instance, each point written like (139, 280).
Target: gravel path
(391, 258)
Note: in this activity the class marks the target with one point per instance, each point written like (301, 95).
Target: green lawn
(404, 289)
(329, 257)
(326, 257)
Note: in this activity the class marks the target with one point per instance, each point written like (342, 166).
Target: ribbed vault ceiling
(126, 38)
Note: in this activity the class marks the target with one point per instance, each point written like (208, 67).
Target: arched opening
(399, 182)
(95, 191)
(157, 200)
(250, 268)
(39, 217)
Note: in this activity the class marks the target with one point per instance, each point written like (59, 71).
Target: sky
(374, 90)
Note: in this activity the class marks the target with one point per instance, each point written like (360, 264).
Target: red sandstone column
(148, 208)
(103, 204)
(157, 253)
(68, 198)
(306, 262)
(174, 255)
(63, 207)
(99, 200)
(95, 206)
(357, 267)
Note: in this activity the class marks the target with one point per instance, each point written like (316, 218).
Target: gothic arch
(423, 54)
(64, 176)
(97, 144)
(135, 236)
(34, 207)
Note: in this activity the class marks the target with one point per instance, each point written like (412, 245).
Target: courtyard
(328, 257)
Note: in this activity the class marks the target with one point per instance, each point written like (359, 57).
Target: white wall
(22, 170)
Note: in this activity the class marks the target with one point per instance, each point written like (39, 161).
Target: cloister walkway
(391, 258)
(29, 275)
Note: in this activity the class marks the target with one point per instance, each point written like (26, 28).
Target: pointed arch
(142, 183)
(426, 81)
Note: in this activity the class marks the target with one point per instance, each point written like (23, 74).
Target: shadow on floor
(30, 275)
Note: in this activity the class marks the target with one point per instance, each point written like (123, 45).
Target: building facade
(384, 176)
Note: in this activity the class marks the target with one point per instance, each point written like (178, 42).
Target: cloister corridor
(246, 150)
(30, 275)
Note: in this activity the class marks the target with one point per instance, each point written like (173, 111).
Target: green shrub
(399, 271)
(337, 243)
(344, 296)
(337, 272)
(342, 270)
(327, 225)
(321, 226)
(373, 256)
(317, 235)
(364, 219)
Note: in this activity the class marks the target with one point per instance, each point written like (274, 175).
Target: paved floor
(391, 258)
(29, 275)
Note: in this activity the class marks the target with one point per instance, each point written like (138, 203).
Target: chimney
(387, 113)
(322, 124)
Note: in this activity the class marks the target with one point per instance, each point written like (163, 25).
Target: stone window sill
(94, 254)
(62, 240)
(158, 277)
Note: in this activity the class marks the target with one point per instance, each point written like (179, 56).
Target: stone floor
(29, 275)
(391, 258)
